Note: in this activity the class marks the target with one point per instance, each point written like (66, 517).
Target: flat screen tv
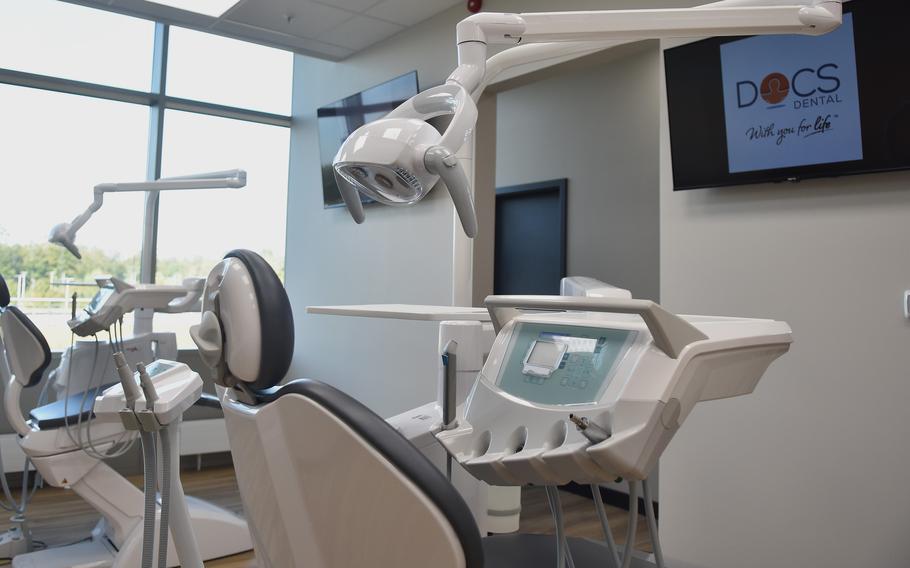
(785, 108)
(339, 119)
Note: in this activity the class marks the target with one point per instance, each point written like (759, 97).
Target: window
(57, 144)
(54, 38)
(204, 225)
(229, 72)
(197, 228)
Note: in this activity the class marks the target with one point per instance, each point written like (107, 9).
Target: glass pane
(63, 40)
(55, 149)
(196, 228)
(226, 71)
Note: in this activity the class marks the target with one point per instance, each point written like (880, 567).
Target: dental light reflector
(397, 160)
(64, 234)
(213, 8)
(383, 162)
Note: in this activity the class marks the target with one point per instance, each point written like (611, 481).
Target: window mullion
(149, 251)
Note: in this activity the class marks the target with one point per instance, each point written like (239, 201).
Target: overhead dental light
(398, 159)
(213, 8)
(64, 234)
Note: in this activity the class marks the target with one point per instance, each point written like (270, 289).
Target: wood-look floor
(59, 517)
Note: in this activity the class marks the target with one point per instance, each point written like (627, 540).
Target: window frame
(158, 101)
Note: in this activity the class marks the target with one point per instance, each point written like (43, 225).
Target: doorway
(530, 244)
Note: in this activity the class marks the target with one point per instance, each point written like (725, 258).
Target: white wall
(809, 471)
(598, 127)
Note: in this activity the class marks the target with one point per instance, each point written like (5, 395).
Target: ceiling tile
(352, 5)
(360, 32)
(299, 44)
(309, 19)
(410, 12)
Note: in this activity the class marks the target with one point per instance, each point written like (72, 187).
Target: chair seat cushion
(66, 411)
(60, 413)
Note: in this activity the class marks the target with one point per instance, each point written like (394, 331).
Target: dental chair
(325, 482)
(575, 389)
(72, 461)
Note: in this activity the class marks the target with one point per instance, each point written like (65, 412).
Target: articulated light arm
(64, 234)
(398, 159)
(558, 34)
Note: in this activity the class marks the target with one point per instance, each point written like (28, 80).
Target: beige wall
(810, 470)
(598, 127)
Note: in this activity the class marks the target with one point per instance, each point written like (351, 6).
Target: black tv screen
(785, 108)
(339, 119)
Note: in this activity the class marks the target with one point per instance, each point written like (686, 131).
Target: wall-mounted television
(785, 108)
(338, 120)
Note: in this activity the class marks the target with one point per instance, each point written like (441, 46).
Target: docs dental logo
(809, 87)
(791, 100)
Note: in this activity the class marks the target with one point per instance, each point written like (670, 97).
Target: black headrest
(35, 378)
(4, 293)
(275, 317)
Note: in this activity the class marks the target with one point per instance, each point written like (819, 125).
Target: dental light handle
(448, 99)
(671, 333)
(442, 162)
(351, 198)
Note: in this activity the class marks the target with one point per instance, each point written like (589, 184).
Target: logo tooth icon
(775, 88)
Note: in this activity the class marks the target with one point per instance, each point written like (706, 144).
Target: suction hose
(163, 526)
(605, 523)
(150, 470)
(564, 557)
(652, 524)
(633, 525)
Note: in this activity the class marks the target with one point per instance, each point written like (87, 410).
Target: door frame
(562, 187)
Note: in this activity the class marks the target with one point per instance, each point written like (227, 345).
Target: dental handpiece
(130, 388)
(148, 386)
(594, 433)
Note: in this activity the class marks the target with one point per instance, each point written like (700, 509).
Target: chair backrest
(27, 351)
(4, 293)
(326, 483)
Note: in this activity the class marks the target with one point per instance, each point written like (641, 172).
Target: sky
(55, 147)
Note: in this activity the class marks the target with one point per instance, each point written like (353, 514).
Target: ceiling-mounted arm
(390, 160)
(537, 53)
(729, 18)
(64, 234)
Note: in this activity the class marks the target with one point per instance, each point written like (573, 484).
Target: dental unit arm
(630, 367)
(64, 234)
(115, 298)
(588, 390)
(398, 159)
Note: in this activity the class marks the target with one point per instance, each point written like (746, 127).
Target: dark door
(530, 243)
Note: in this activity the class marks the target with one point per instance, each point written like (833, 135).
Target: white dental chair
(325, 482)
(63, 462)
